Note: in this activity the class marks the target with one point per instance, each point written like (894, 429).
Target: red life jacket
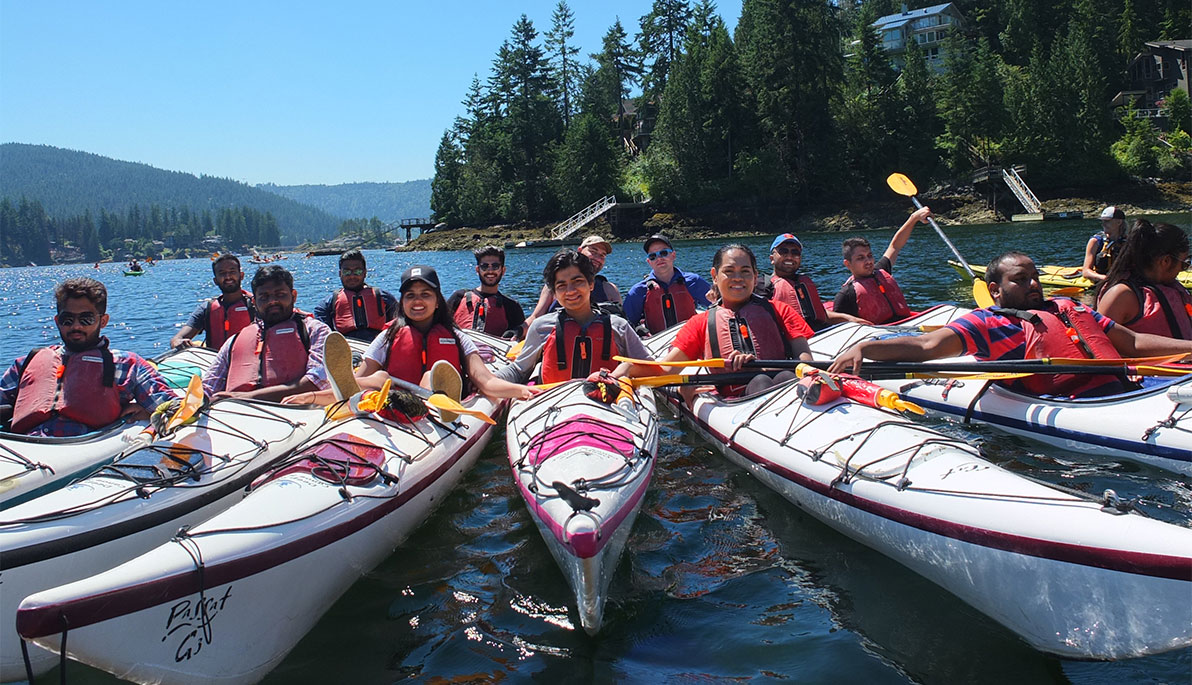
(1162, 310)
(879, 300)
(1065, 329)
(755, 328)
(665, 306)
(482, 312)
(801, 294)
(83, 389)
(225, 321)
(583, 343)
(411, 353)
(364, 308)
(276, 359)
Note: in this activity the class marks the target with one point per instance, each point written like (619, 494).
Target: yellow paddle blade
(902, 185)
(1064, 292)
(375, 400)
(515, 350)
(443, 402)
(907, 405)
(190, 403)
(1146, 370)
(981, 294)
(713, 363)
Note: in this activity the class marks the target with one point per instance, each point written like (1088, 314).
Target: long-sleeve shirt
(628, 345)
(215, 379)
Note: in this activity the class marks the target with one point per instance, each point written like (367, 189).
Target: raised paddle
(902, 185)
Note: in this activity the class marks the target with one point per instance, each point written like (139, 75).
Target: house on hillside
(635, 124)
(928, 27)
(1153, 74)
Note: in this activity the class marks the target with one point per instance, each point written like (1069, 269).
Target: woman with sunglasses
(1141, 290)
(667, 295)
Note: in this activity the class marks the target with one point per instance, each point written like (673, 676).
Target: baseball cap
(785, 238)
(596, 240)
(1112, 212)
(657, 238)
(419, 272)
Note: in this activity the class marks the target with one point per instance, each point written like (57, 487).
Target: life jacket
(225, 321)
(364, 308)
(482, 312)
(801, 294)
(755, 328)
(277, 358)
(1106, 250)
(575, 351)
(1162, 310)
(666, 306)
(1064, 329)
(411, 353)
(81, 389)
(879, 300)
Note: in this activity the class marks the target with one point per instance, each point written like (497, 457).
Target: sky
(282, 92)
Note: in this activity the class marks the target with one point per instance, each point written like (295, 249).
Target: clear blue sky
(283, 92)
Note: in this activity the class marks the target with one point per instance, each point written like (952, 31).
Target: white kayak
(583, 468)
(136, 503)
(32, 466)
(227, 600)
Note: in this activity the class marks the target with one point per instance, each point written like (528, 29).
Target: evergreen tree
(917, 126)
(587, 164)
(564, 69)
(662, 34)
(445, 187)
(621, 67)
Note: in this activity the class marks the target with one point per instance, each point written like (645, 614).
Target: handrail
(1021, 191)
(582, 217)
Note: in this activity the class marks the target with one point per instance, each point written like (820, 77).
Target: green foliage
(587, 164)
(1138, 150)
(1178, 109)
(564, 70)
(662, 34)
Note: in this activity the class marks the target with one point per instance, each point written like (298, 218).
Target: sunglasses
(352, 272)
(489, 266)
(789, 251)
(659, 254)
(67, 319)
(1186, 263)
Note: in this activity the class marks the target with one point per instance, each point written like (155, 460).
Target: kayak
(583, 468)
(136, 503)
(134, 273)
(31, 466)
(1061, 276)
(263, 571)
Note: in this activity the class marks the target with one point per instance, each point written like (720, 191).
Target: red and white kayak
(583, 468)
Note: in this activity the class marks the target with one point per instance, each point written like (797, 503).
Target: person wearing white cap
(596, 249)
(796, 289)
(1103, 245)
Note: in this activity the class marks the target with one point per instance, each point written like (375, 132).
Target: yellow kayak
(1061, 276)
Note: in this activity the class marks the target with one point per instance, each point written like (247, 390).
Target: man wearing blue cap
(796, 289)
(667, 295)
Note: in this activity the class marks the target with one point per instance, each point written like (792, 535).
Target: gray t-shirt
(378, 351)
(627, 340)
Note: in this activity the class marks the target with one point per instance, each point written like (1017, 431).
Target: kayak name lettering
(192, 620)
(965, 468)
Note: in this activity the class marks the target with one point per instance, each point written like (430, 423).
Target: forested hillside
(68, 183)
(386, 201)
(803, 104)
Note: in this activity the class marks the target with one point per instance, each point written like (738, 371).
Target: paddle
(902, 185)
(192, 401)
(1069, 290)
(1013, 365)
(442, 402)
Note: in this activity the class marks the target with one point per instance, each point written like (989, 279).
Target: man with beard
(1024, 325)
(279, 354)
(797, 289)
(80, 385)
(221, 317)
(357, 310)
(485, 308)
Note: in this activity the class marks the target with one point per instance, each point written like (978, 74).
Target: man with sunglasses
(220, 317)
(485, 308)
(356, 310)
(667, 295)
(80, 385)
(797, 289)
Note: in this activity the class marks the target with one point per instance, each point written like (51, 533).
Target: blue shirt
(635, 300)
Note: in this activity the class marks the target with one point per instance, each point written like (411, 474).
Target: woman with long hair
(1142, 290)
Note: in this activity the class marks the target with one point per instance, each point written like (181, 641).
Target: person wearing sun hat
(797, 289)
(667, 295)
(1103, 245)
(604, 293)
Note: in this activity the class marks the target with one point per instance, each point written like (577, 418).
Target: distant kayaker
(81, 385)
(1104, 245)
(870, 292)
(1023, 325)
(356, 310)
(667, 295)
(134, 265)
(1142, 289)
(742, 326)
(486, 308)
(604, 293)
(797, 289)
(279, 354)
(578, 339)
(220, 317)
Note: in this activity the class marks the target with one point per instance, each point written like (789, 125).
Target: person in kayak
(279, 354)
(220, 317)
(1142, 289)
(667, 295)
(1104, 245)
(870, 292)
(134, 265)
(604, 293)
(356, 310)
(741, 326)
(82, 384)
(486, 308)
(797, 289)
(1023, 325)
(578, 340)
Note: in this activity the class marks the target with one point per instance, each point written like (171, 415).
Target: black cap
(657, 238)
(420, 272)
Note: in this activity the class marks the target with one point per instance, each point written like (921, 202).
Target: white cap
(1112, 212)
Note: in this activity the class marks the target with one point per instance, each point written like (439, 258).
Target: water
(722, 578)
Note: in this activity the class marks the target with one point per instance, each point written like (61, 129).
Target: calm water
(722, 579)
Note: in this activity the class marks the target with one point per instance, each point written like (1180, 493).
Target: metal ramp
(1017, 186)
(582, 217)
